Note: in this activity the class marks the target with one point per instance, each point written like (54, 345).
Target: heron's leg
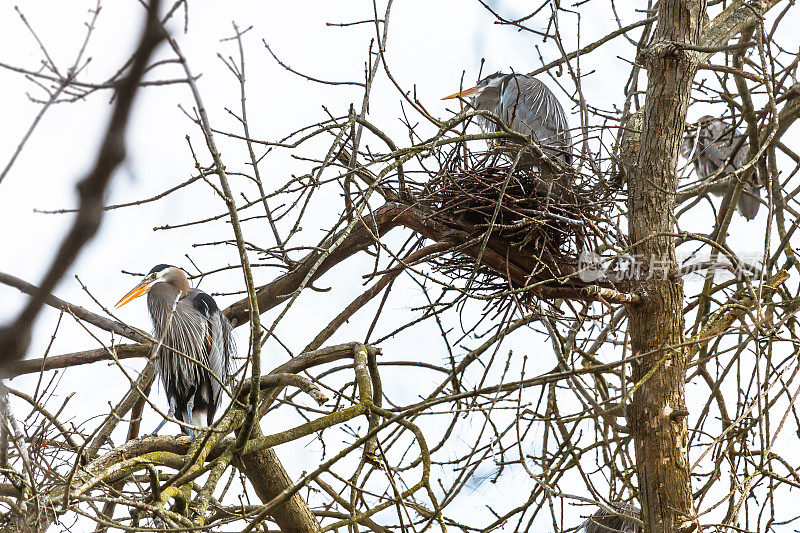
(173, 404)
(189, 407)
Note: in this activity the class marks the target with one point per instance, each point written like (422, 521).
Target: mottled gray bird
(525, 105)
(605, 522)
(195, 356)
(713, 145)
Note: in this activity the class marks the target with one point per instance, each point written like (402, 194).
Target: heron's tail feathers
(749, 202)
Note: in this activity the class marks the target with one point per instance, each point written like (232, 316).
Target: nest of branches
(538, 216)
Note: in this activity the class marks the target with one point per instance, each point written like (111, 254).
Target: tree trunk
(658, 413)
(269, 479)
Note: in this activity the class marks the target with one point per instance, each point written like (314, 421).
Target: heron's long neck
(160, 300)
(180, 283)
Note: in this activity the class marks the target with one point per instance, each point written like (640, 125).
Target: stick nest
(539, 218)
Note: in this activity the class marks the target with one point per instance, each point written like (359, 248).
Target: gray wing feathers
(526, 105)
(540, 102)
(219, 355)
(535, 112)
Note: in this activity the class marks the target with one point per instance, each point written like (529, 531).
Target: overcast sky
(431, 44)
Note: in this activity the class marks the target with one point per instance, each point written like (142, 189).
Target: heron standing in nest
(194, 358)
(525, 105)
(716, 149)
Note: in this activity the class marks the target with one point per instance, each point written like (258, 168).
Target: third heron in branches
(194, 359)
(526, 106)
(717, 150)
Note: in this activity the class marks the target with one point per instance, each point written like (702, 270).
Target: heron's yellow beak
(137, 291)
(466, 92)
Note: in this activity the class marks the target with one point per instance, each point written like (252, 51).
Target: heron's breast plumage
(193, 343)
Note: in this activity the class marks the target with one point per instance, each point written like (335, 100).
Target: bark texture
(269, 479)
(658, 412)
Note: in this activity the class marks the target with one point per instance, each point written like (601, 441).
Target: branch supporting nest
(518, 224)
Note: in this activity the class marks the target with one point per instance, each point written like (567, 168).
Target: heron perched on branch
(525, 105)
(716, 149)
(195, 354)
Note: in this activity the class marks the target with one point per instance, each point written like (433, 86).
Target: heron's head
(490, 82)
(158, 274)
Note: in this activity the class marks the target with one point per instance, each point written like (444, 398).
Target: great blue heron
(603, 521)
(194, 359)
(713, 145)
(526, 106)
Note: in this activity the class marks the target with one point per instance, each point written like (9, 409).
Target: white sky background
(430, 44)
